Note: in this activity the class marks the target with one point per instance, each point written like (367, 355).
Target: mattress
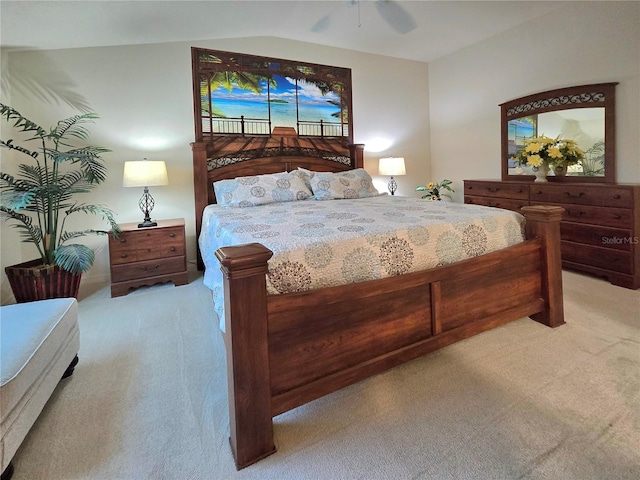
(319, 244)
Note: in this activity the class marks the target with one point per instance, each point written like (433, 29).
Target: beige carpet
(148, 401)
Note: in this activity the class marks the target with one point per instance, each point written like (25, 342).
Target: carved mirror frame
(583, 96)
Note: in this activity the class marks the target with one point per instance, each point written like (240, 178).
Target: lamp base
(146, 204)
(147, 223)
(392, 186)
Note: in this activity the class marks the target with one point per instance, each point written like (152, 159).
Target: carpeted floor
(148, 401)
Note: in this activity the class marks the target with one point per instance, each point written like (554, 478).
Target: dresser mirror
(585, 114)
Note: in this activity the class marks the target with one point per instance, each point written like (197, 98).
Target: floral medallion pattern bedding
(319, 244)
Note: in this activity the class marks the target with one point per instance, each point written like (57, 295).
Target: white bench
(39, 342)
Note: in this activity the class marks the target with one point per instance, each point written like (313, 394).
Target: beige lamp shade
(391, 166)
(144, 173)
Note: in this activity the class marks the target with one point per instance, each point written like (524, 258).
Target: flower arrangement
(434, 190)
(541, 151)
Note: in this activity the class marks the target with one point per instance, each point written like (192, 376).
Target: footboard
(286, 350)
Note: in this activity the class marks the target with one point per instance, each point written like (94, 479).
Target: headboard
(220, 159)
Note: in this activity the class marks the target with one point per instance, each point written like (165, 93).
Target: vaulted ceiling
(414, 30)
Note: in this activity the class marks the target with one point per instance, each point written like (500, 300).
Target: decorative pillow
(262, 189)
(350, 184)
(306, 175)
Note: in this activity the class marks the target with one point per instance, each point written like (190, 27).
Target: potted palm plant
(40, 197)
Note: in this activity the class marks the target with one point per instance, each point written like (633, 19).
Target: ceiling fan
(390, 10)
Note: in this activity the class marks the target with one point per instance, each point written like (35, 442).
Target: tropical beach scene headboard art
(248, 106)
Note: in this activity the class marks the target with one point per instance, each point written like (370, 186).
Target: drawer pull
(493, 190)
(570, 195)
(172, 235)
(124, 255)
(123, 240)
(617, 196)
(173, 249)
(617, 216)
(576, 214)
(151, 269)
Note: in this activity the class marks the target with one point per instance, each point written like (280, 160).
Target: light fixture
(145, 174)
(392, 166)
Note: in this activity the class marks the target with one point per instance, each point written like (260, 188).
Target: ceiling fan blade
(396, 16)
(321, 25)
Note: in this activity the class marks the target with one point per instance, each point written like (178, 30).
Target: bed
(286, 349)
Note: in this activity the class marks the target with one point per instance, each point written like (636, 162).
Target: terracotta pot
(32, 281)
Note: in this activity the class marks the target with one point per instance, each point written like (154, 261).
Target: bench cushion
(38, 341)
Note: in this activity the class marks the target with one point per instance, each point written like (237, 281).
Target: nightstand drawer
(150, 268)
(168, 242)
(123, 248)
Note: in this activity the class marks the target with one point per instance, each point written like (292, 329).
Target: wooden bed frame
(286, 350)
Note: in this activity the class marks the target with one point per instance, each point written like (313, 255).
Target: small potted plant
(434, 191)
(40, 197)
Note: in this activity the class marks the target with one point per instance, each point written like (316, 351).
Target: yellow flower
(534, 161)
(554, 152)
(430, 185)
(533, 148)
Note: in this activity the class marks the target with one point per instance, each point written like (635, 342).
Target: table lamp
(145, 173)
(392, 166)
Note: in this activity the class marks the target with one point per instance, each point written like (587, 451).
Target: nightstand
(146, 256)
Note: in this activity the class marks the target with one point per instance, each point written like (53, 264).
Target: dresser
(600, 231)
(145, 256)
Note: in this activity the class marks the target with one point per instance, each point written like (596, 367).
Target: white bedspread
(319, 244)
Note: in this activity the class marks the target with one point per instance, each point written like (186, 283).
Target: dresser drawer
(605, 258)
(167, 242)
(505, 203)
(608, 217)
(583, 195)
(497, 189)
(149, 268)
(597, 236)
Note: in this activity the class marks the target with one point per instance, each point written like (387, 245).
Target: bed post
(201, 196)
(244, 268)
(356, 151)
(543, 222)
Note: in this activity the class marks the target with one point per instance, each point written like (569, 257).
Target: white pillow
(350, 184)
(262, 189)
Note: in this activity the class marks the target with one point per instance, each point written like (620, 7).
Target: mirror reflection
(583, 125)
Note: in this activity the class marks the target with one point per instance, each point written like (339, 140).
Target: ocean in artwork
(282, 114)
(312, 105)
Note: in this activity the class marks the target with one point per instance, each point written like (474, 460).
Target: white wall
(143, 95)
(582, 43)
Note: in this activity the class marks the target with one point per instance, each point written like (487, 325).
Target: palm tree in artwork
(229, 80)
